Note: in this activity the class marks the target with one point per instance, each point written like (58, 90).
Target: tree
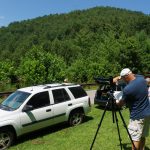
(7, 70)
(38, 67)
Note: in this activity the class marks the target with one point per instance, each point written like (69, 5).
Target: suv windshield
(14, 101)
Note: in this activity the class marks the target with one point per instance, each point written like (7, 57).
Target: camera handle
(115, 118)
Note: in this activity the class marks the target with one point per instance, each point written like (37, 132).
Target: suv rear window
(78, 91)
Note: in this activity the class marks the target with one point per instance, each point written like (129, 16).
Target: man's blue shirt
(135, 95)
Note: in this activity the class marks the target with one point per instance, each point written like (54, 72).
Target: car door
(61, 104)
(40, 116)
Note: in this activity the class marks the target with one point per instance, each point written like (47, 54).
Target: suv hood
(4, 113)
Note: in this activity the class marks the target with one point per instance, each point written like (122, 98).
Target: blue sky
(18, 10)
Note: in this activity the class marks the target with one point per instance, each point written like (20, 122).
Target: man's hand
(115, 80)
(117, 101)
(120, 103)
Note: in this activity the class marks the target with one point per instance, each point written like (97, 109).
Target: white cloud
(2, 17)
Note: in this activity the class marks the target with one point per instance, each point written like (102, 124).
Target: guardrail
(5, 93)
(88, 84)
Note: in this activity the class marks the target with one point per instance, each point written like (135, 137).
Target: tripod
(114, 108)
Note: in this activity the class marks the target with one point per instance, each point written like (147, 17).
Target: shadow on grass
(46, 131)
(127, 146)
(102, 107)
(146, 148)
(108, 108)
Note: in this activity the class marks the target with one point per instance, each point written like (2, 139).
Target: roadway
(91, 93)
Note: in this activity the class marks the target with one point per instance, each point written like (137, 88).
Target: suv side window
(78, 91)
(39, 100)
(60, 95)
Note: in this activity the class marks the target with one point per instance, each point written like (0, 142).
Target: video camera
(108, 91)
(105, 81)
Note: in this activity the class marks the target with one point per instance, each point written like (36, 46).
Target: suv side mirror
(27, 108)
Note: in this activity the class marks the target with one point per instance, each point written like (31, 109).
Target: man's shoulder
(139, 76)
(141, 80)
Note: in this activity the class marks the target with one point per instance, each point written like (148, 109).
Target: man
(135, 96)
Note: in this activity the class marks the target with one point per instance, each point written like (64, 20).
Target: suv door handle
(70, 104)
(48, 110)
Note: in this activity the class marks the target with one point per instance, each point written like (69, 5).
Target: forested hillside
(79, 45)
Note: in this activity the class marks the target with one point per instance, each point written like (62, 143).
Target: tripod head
(112, 101)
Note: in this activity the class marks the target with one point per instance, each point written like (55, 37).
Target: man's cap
(147, 80)
(125, 71)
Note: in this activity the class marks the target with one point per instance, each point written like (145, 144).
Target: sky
(18, 10)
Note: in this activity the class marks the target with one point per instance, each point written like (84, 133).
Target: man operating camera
(135, 96)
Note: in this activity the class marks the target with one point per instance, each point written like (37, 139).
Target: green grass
(62, 137)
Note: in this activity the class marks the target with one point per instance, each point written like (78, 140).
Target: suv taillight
(89, 101)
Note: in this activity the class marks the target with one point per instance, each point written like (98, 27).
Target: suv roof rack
(57, 85)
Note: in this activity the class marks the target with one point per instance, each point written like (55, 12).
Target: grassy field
(62, 137)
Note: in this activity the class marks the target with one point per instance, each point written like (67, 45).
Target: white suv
(32, 108)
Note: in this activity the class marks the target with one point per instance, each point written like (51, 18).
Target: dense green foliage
(78, 45)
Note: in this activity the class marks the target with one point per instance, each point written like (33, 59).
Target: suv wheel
(76, 117)
(6, 138)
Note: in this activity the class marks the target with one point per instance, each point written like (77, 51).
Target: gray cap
(125, 71)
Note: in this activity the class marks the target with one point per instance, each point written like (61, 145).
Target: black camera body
(106, 81)
(106, 91)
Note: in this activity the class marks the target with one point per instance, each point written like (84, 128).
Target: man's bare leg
(137, 145)
(142, 144)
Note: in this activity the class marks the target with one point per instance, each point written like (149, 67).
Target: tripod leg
(127, 129)
(113, 115)
(98, 128)
(118, 130)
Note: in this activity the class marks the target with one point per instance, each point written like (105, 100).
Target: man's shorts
(139, 128)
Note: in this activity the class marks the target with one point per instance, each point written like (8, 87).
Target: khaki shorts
(139, 128)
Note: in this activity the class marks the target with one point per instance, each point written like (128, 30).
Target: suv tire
(76, 117)
(6, 138)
